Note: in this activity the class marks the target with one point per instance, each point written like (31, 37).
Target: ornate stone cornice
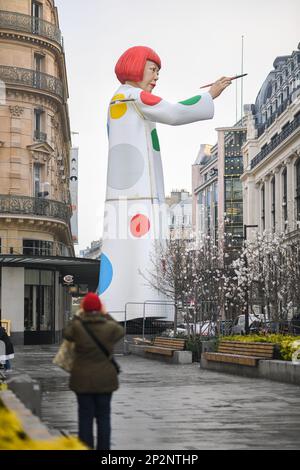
(267, 177)
(32, 98)
(55, 122)
(41, 152)
(54, 47)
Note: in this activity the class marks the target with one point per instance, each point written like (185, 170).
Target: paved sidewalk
(162, 406)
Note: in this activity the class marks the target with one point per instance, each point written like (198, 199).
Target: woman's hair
(131, 64)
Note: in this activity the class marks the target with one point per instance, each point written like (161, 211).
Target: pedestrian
(94, 376)
(7, 351)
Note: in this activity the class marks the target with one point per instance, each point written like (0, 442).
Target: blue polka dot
(106, 274)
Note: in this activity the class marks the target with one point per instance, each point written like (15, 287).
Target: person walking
(94, 375)
(7, 351)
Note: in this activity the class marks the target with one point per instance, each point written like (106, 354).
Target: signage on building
(68, 279)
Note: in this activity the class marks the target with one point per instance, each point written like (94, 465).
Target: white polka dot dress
(135, 216)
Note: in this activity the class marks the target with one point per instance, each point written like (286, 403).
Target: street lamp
(246, 293)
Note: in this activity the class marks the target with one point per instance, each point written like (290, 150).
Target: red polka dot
(148, 98)
(139, 225)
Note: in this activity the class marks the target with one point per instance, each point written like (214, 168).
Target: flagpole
(236, 101)
(242, 82)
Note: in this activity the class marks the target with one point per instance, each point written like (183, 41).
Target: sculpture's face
(151, 75)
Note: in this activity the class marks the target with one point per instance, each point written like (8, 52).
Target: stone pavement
(162, 406)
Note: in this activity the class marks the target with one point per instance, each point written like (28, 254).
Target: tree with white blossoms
(205, 286)
(268, 271)
(192, 275)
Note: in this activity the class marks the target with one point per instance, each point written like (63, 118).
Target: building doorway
(39, 300)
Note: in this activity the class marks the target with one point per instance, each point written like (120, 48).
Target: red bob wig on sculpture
(131, 64)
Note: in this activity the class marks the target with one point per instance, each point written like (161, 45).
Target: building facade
(217, 190)
(271, 180)
(180, 214)
(94, 251)
(37, 253)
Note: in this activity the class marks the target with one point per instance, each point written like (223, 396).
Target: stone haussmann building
(37, 261)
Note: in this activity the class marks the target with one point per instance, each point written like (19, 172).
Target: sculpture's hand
(219, 86)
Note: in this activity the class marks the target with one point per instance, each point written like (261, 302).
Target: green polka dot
(155, 141)
(191, 101)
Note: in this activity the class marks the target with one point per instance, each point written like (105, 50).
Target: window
(208, 208)
(273, 205)
(36, 12)
(234, 212)
(36, 179)
(38, 62)
(37, 247)
(38, 125)
(37, 120)
(215, 186)
(36, 9)
(284, 198)
(233, 189)
(38, 68)
(263, 202)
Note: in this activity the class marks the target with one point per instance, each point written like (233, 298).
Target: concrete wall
(12, 301)
(280, 371)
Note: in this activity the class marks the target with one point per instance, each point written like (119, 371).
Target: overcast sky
(198, 41)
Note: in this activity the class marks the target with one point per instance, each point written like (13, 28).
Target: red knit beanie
(91, 302)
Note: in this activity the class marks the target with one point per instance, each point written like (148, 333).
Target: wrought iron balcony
(278, 139)
(30, 24)
(30, 78)
(40, 136)
(24, 205)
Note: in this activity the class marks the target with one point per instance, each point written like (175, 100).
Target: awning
(84, 270)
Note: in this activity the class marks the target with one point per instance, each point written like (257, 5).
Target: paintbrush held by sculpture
(231, 78)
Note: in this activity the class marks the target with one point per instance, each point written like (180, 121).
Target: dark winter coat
(9, 348)
(92, 371)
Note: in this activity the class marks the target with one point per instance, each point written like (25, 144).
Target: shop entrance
(39, 323)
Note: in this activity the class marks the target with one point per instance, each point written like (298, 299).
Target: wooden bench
(237, 352)
(166, 346)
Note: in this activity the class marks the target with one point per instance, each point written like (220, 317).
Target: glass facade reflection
(233, 203)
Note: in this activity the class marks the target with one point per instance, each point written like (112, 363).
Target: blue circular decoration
(106, 274)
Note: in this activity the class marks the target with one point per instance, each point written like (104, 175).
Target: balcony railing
(281, 108)
(24, 205)
(30, 24)
(31, 78)
(291, 127)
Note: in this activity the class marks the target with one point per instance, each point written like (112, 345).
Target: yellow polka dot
(118, 110)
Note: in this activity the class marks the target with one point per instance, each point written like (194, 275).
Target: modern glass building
(217, 190)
